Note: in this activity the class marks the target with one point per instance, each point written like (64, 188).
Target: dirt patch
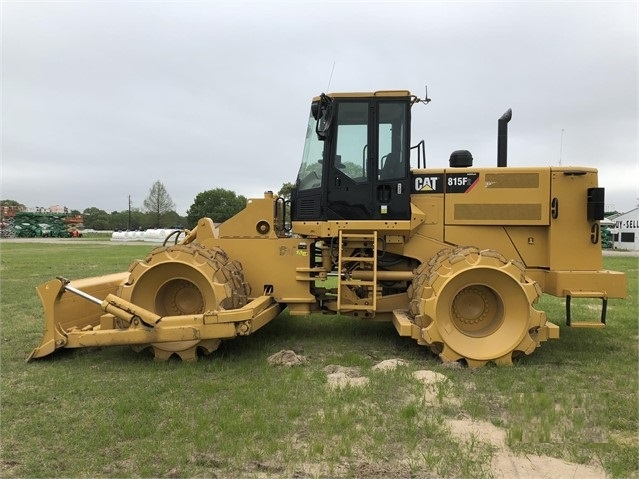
(436, 387)
(380, 470)
(340, 377)
(506, 465)
(351, 372)
(389, 365)
(429, 378)
(286, 358)
(340, 381)
(485, 431)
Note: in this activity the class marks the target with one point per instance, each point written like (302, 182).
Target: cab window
(391, 140)
(352, 141)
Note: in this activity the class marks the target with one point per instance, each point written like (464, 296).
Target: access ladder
(357, 293)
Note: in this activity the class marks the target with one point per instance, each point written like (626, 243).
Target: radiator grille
(512, 180)
(308, 208)
(498, 212)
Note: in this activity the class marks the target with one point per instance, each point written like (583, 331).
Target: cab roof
(379, 93)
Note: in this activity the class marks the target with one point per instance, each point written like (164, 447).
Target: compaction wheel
(476, 306)
(183, 280)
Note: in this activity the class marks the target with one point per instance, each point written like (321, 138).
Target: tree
(12, 203)
(95, 218)
(120, 219)
(286, 189)
(173, 220)
(9, 207)
(158, 202)
(218, 204)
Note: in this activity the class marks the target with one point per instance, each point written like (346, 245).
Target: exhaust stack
(502, 138)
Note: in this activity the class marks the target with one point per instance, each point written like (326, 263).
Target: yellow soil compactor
(456, 257)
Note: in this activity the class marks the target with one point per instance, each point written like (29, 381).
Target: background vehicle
(455, 256)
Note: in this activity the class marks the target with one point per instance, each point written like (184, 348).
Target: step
(587, 324)
(586, 295)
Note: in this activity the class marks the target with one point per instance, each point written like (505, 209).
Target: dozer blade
(90, 313)
(67, 312)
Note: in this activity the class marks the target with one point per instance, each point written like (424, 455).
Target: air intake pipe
(502, 138)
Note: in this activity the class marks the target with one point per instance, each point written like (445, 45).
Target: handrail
(421, 153)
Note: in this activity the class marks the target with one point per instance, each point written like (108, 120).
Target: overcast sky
(101, 99)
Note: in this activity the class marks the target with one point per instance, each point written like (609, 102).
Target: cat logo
(428, 183)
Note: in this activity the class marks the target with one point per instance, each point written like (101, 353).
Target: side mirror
(323, 113)
(315, 108)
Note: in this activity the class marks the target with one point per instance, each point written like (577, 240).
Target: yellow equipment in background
(456, 257)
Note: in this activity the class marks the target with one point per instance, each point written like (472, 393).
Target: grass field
(111, 412)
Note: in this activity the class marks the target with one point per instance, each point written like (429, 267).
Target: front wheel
(476, 306)
(185, 280)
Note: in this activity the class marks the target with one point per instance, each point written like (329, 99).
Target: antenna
(561, 145)
(426, 99)
(328, 87)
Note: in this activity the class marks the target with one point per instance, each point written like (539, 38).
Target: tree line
(158, 210)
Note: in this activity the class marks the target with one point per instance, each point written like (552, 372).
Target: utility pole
(129, 225)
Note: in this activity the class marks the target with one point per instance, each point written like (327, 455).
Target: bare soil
(286, 358)
(506, 465)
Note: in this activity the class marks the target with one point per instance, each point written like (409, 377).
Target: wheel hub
(178, 297)
(476, 310)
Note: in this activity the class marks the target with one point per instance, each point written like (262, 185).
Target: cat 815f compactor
(456, 257)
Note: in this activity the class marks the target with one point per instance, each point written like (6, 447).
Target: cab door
(362, 185)
(350, 179)
(392, 188)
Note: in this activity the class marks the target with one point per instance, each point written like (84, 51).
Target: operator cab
(355, 164)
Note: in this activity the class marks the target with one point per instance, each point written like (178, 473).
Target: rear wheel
(185, 280)
(476, 306)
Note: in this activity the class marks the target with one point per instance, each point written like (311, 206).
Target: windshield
(310, 174)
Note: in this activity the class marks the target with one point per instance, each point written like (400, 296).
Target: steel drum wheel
(185, 280)
(476, 306)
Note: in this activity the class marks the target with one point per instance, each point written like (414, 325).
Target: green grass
(111, 412)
